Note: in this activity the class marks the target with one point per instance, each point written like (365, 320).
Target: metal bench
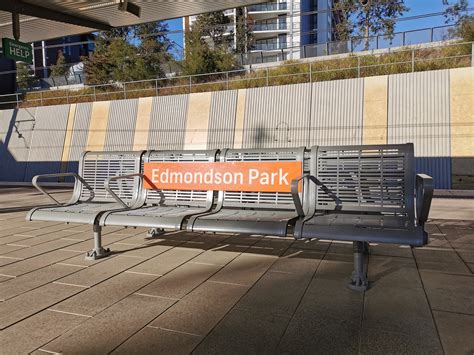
(266, 213)
(164, 209)
(363, 194)
(90, 198)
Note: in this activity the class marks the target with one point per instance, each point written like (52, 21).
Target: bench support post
(359, 276)
(155, 232)
(98, 251)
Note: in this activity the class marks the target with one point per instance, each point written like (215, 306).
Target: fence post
(327, 48)
(41, 96)
(266, 70)
(95, 96)
(304, 51)
(472, 55)
(17, 101)
(156, 87)
(67, 97)
(358, 66)
(190, 83)
(432, 34)
(403, 39)
(413, 61)
(227, 80)
(310, 73)
(124, 91)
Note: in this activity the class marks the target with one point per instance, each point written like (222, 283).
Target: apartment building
(280, 28)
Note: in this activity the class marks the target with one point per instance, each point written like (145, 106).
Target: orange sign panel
(222, 176)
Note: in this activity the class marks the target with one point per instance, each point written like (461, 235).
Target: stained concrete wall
(432, 109)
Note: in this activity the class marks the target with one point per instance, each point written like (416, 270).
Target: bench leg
(98, 251)
(155, 232)
(359, 276)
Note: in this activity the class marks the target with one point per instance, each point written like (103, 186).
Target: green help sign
(18, 51)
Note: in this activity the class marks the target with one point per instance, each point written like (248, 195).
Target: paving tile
(163, 263)
(456, 332)
(24, 266)
(243, 239)
(96, 299)
(391, 250)
(180, 281)
(34, 279)
(7, 249)
(5, 278)
(320, 245)
(393, 272)
(221, 254)
(98, 336)
(32, 241)
(471, 266)
(101, 271)
(404, 311)
(245, 269)
(31, 333)
(88, 244)
(300, 261)
(379, 341)
(41, 248)
(448, 292)
(199, 311)
(441, 260)
(465, 251)
(45, 230)
(14, 239)
(270, 246)
(243, 331)
(9, 229)
(144, 251)
(159, 341)
(27, 304)
(4, 260)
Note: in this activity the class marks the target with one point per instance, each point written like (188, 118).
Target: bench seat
(271, 222)
(85, 212)
(364, 228)
(165, 217)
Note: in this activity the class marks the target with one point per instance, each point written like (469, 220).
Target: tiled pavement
(221, 294)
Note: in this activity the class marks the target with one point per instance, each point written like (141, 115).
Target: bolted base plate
(155, 232)
(95, 254)
(358, 282)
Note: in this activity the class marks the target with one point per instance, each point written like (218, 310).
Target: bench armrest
(122, 177)
(424, 194)
(44, 192)
(295, 193)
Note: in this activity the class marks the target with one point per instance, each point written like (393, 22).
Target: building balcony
(268, 7)
(269, 46)
(258, 27)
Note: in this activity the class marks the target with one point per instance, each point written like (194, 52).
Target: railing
(269, 46)
(403, 61)
(274, 6)
(269, 26)
(399, 39)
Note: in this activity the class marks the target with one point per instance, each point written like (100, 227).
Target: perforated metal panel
(272, 200)
(79, 136)
(180, 197)
(337, 112)
(16, 128)
(277, 116)
(121, 125)
(222, 119)
(97, 167)
(168, 122)
(365, 178)
(47, 141)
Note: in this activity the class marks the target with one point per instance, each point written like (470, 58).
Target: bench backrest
(97, 167)
(259, 200)
(365, 178)
(180, 197)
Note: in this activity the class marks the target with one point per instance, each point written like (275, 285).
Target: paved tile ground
(221, 294)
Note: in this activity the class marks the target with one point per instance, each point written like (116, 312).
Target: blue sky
(417, 7)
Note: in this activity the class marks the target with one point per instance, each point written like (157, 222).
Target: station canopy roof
(46, 19)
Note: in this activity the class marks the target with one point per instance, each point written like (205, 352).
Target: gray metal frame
(166, 209)
(90, 199)
(251, 212)
(363, 193)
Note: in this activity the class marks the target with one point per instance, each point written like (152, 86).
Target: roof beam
(20, 7)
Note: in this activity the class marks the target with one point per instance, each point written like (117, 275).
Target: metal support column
(98, 252)
(358, 280)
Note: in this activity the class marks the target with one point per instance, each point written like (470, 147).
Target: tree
(243, 33)
(365, 18)
(24, 76)
(60, 68)
(457, 13)
(207, 49)
(214, 26)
